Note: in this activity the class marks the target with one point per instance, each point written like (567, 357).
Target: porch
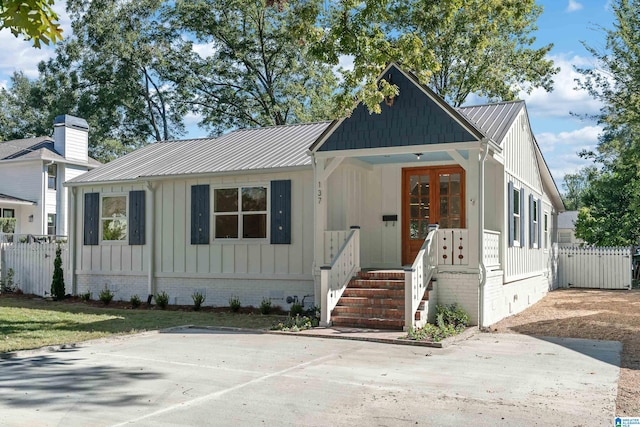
(399, 298)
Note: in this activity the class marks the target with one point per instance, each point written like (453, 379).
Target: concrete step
(370, 323)
(368, 312)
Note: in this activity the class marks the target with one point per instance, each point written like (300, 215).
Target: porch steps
(375, 300)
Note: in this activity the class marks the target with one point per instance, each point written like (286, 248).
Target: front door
(430, 195)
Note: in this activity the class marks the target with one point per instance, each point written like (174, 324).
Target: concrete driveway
(203, 377)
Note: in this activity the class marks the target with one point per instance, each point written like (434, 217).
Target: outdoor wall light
(30, 218)
(418, 155)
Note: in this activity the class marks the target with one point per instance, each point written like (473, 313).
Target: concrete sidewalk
(208, 377)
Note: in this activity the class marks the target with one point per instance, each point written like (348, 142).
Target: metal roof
(494, 120)
(15, 200)
(237, 151)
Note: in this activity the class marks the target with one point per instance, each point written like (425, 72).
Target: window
(8, 213)
(52, 173)
(535, 222)
(51, 224)
(240, 213)
(546, 230)
(8, 221)
(564, 237)
(515, 232)
(113, 218)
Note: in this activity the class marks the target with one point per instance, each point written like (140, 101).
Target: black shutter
(91, 218)
(512, 219)
(200, 214)
(281, 212)
(137, 217)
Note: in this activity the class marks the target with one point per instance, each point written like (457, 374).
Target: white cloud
(561, 149)
(565, 97)
(573, 6)
(204, 50)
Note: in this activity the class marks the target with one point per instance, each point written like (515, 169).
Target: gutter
(483, 269)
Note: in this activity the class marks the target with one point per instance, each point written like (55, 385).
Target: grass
(32, 323)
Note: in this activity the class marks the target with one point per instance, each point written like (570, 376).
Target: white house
(567, 229)
(32, 173)
(337, 213)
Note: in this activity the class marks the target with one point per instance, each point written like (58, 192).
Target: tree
(612, 203)
(259, 71)
(576, 185)
(57, 282)
(21, 115)
(457, 47)
(33, 19)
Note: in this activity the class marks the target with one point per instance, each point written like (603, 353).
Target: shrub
(7, 285)
(265, 306)
(295, 324)
(86, 296)
(162, 299)
(57, 282)
(296, 309)
(198, 298)
(106, 295)
(234, 304)
(453, 315)
(135, 301)
(450, 321)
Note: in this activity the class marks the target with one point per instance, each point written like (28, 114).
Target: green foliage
(135, 301)
(450, 320)
(162, 299)
(295, 324)
(611, 212)
(575, 187)
(7, 284)
(85, 296)
(234, 304)
(8, 225)
(296, 309)
(106, 295)
(57, 282)
(265, 306)
(198, 298)
(33, 19)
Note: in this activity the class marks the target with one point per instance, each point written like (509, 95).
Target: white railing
(335, 277)
(417, 278)
(30, 238)
(491, 250)
(453, 246)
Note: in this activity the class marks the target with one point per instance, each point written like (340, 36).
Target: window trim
(534, 222)
(239, 213)
(55, 224)
(545, 230)
(13, 212)
(517, 217)
(125, 240)
(53, 177)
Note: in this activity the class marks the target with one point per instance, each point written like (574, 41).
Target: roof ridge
(515, 101)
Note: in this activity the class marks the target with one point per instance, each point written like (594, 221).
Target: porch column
(319, 222)
(473, 205)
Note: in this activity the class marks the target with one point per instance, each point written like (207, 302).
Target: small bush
(265, 306)
(135, 301)
(106, 295)
(7, 285)
(450, 320)
(85, 297)
(296, 309)
(453, 315)
(57, 282)
(234, 304)
(162, 299)
(198, 298)
(295, 324)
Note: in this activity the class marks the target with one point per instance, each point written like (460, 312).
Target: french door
(430, 195)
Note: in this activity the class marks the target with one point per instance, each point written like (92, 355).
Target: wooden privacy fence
(32, 264)
(602, 268)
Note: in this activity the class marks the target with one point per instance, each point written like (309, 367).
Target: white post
(320, 224)
(356, 246)
(325, 313)
(408, 298)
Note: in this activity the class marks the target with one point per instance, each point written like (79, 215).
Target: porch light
(418, 156)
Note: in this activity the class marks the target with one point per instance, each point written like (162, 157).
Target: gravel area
(591, 314)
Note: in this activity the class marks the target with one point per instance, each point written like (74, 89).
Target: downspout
(483, 268)
(150, 232)
(314, 266)
(71, 238)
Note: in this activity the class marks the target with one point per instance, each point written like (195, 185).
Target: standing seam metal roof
(240, 150)
(493, 119)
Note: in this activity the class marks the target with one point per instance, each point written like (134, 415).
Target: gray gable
(415, 118)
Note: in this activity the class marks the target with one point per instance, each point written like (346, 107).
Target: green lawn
(32, 323)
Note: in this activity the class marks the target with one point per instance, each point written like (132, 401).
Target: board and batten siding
(522, 170)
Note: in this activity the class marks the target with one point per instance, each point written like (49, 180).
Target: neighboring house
(567, 229)
(32, 172)
(262, 213)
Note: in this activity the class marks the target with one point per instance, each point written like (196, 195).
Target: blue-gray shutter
(200, 203)
(281, 212)
(512, 219)
(532, 230)
(137, 217)
(540, 219)
(91, 218)
(522, 218)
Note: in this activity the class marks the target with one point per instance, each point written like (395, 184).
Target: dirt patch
(590, 314)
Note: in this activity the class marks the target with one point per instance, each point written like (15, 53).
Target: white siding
(72, 143)
(519, 153)
(25, 180)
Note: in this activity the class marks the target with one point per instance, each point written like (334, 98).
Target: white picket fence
(32, 264)
(601, 268)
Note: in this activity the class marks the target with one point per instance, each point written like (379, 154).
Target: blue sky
(565, 23)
